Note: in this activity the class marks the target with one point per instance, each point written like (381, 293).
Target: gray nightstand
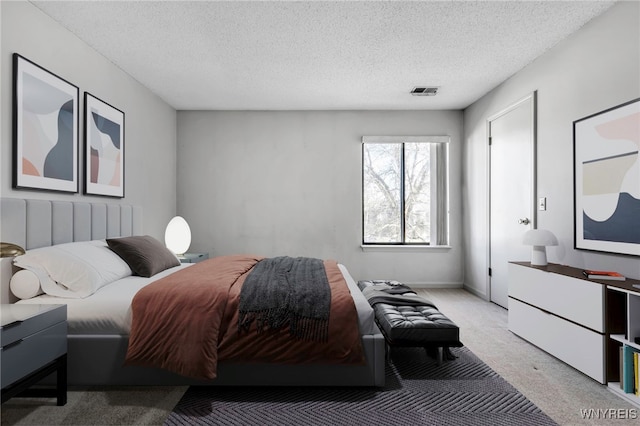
(193, 257)
(34, 345)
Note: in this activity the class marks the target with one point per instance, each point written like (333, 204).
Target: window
(404, 190)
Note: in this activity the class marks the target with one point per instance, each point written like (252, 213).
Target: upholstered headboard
(39, 223)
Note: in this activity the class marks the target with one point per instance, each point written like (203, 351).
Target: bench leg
(435, 353)
(439, 356)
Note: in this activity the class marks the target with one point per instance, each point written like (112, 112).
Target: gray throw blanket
(289, 291)
(386, 293)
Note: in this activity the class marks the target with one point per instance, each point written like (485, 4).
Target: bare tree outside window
(417, 192)
(382, 192)
(399, 192)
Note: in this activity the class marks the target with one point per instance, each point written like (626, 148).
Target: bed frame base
(97, 360)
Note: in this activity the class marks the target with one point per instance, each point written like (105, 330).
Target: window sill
(405, 248)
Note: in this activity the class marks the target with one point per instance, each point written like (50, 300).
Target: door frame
(533, 98)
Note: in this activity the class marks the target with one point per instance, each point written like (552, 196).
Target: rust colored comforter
(188, 321)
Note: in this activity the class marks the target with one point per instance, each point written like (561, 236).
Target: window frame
(401, 140)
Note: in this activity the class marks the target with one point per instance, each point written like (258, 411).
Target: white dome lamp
(539, 239)
(177, 236)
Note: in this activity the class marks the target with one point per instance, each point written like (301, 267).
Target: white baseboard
(433, 285)
(476, 292)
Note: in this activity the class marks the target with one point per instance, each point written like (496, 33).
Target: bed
(99, 325)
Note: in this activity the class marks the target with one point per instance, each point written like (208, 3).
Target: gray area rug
(461, 392)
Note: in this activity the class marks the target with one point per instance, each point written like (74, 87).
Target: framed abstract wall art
(607, 180)
(45, 129)
(104, 148)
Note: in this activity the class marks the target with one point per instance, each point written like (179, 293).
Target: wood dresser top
(573, 272)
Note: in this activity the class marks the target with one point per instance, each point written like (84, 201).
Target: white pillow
(74, 270)
(25, 284)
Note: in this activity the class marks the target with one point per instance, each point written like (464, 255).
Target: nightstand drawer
(14, 331)
(22, 357)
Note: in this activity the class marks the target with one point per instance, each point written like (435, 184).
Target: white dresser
(561, 314)
(585, 323)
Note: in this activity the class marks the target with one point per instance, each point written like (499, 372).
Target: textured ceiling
(266, 55)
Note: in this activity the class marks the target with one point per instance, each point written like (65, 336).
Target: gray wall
(596, 68)
(289, 183)
(150, 123)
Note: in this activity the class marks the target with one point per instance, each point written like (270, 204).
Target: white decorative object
(25, 284)
(539, 239)
(177, 236)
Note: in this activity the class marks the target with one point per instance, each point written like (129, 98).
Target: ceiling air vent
(424, 91)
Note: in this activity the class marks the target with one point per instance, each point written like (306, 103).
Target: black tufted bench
(413, 323)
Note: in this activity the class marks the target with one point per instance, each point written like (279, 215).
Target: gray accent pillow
(145, 255)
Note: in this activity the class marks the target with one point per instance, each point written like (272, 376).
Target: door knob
(524, 221)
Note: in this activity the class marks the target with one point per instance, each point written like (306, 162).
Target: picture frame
(104, 148)
(607, 180)
(45, 129)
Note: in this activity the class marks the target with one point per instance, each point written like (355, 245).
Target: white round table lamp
(539, 239)
(177, 236)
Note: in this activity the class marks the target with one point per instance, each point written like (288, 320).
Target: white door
(512, 189)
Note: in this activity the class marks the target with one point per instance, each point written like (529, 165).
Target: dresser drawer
(579, 347)
(577, 300)
(22, 357)
(17, 330)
